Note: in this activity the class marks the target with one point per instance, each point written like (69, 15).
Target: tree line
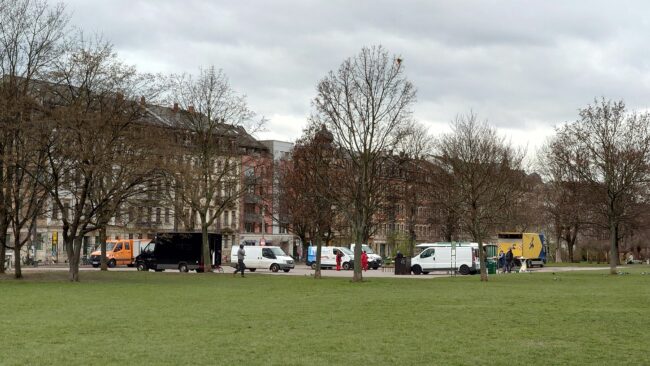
(83, 136)
(362, 152)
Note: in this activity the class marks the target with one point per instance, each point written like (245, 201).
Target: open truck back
(530, 247)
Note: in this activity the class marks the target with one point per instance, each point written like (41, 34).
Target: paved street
(302, 270)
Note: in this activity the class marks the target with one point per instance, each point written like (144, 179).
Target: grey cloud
(523, 65)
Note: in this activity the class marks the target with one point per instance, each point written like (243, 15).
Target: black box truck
(181, 251)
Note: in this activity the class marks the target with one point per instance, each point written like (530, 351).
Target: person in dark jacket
(509, 259)
(241, 253)
(502, 261)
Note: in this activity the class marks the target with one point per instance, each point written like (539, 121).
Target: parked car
(328, 257)
(119, 252)
(445, 256)
(182, 251)
(264, 257)
(374, 260)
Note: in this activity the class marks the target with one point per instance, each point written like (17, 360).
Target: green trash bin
(491, 266)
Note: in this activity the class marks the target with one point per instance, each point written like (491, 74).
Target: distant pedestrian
(339, 257)
(509, 259)
(502, 261)
(241, 253)
(364, 261)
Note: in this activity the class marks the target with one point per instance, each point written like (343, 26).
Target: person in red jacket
(339, 255)
(364, 261)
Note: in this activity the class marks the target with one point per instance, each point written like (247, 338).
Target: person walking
(502, 261)
(241, 253)
(364, 261)
(509, 258)
(339, 256)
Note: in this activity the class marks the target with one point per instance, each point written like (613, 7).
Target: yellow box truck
(530, 247)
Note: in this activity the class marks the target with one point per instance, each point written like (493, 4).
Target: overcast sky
(523, 65)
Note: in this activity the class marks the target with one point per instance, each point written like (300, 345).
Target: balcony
(251, 198)
(252, 217)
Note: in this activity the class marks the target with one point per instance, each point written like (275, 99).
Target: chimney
(190, 109)
(175, 109)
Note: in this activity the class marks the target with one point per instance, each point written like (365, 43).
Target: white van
(266, 257)
(374, 260)
(438, 257)
(328, 257)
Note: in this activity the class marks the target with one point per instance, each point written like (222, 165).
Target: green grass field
(136, 318)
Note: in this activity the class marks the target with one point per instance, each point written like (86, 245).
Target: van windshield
(110, 246)
(149, 248)
(277, 251)
(419, 250)
(367, 249)
(346, 251)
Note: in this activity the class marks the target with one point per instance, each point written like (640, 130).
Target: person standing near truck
(241, 253)
(509, 258)
(502, 261)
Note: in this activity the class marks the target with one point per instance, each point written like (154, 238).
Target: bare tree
(366, 105)
(307, 182)
(412, 180)
(486, 172)
(204, 175)
(28, 196)
(30, 32)
(608, 150)
(94, 102)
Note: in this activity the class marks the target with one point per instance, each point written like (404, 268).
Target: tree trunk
(3, 256)
(18, 272)
(481, 258)
(569, 246)
(207, 258)
(319, 245)
(73, 258)
(102, 244)
(558, 250)
(305, 247)
(613, 255)
(358, 273)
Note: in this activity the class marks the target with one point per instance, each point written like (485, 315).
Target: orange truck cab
(119, 252)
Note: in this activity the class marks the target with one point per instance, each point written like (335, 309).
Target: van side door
(118, 252)
(427, 259)
(267, 258)
(127, 253)
(443, 258)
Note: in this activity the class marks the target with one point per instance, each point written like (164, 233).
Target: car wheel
(346, 266)
(313, 266)
(464, 270)
(111, 263)
(159, 270)
(183, 268)
(275, 267)
(252, 269)
(95, 265)
(286, 270)
(141, 267)
(375, 267)
(416, 270)
(541, 265)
